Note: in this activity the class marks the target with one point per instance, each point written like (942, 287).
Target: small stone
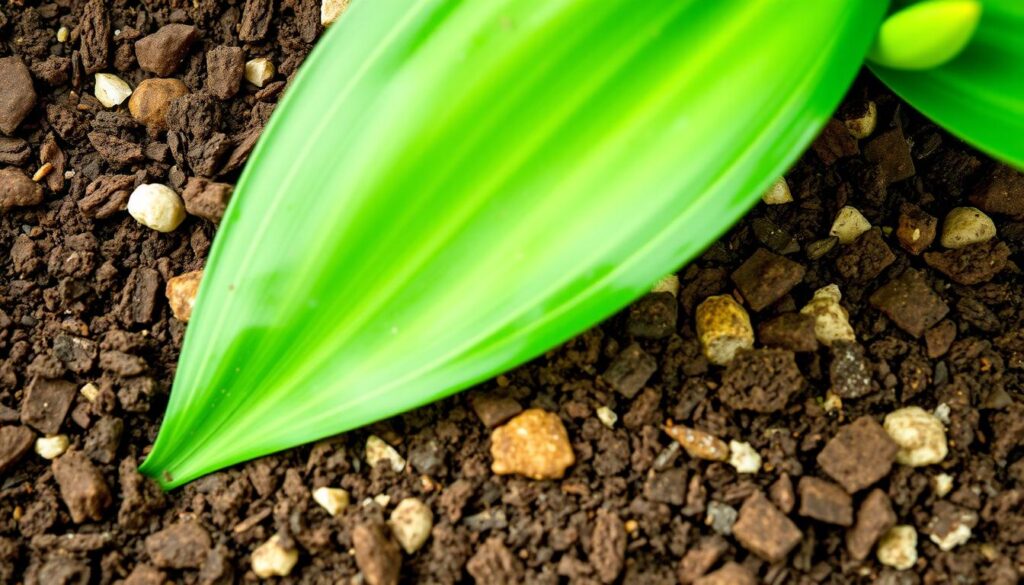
(181, 294)
(964, 226)
(144, 574)
(865, 258)
(534, 444)
(916, 229)
(15, 442)
(778, 193)
(863, 124)
(919, 434)
(152, 99)
(825, 501)
(699, 444)
(765, 531)
(411, 522)
(834, 142)
(52, 447)
(775, 238)
(111, 90)
(972, 264)
(874, 518)
(819, 248)
(207, 199)
(860, 454)
(951, 526)
(82, 487)
(157, 207)
(17, 95)
(910, 303)
(273, 559)
(744, 458)
(183, 545)
(766, 277)
(225, 69)
(731, 573)
(849, 225)
(831, 320)
(630, 370)
(667, 486)
(724, 328)
(762, 380)
(850, 370)
(939, 338)
(721, 518)
(607, 416)
(942, 484)
(334, 500)
(163, 51)
(654, 316)
(792, 331)
(379, 452)
(259, 71)
(700, 558)
(377, 556)
(1001, 193)
(891, 152)
(18, 190)
(62, 34)
(493, 408)
(669, 284)
(46, 404)
(782, 495)
(90, 391)
(898, 547)
(331, 10)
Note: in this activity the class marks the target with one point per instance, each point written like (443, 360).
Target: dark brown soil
(82, 301)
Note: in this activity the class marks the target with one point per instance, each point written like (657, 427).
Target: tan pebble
(699, 444)
(152, 99)
(898, 547)
(831, 320)
(52, 447)
(411, 522)
(863, 126)
(271, 559)
(111, 90)
(669, 284)
(849, 224)
(919, 434)
(334, 500)
(778, 193)
(378, 452)
(724, 328)
(181, 294)
(90, 392)
(534, 444)
(964, 226)
(330, 10)
(744, 458)
(259, 71)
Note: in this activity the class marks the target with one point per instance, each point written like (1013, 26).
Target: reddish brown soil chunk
(256, 18)
(654, 316)
(82, 487)
(700, 558)
(792, 331)
(494, 408)
(95, 35)
(850, 370)
(762, 380)
(14, 151)
(15, 442)
(782, 495)
(859, 454)
(874, 518)
(18, 190)
(765, 531)
(17, 95)
(608, 546)
(225, 68)
(939, 338)
(916, 229)
(180, 546)
(46, 404)
(766, 277)
(731, 573)
(891, 153)
(206, 199)
(1001, 193)
(106, 196)
(145, 575)
(973, 264)
(866, 257)
(377, 555)
(835, 142)
(494, 563)
(630, 370)
(911, 304)
(163, 51)
(825, 501)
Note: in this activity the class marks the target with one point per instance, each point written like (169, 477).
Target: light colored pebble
(111, 90)
(964, 226)
(942, 412)
(778, 193)
(181, 294)
(699, 444)
(833, 402)
(382, 500)
(849, 225)
(411, 522)
(533, 444)
(831, 320)
(42, 172)
(743, 457)
(378, 452)
(271, 559)
(942, 484)
(863, 126)
(90, 392)
(52, 447)
(157, 207)
(919, 434)
(954, 538)
(62, 34)
(330, 10)
(607, 416)
(334, 500)
(259, 71)
(669, 284)
(720, 517)
(723, 327)
(898, 547)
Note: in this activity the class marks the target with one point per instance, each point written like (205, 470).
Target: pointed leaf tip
(926, 35)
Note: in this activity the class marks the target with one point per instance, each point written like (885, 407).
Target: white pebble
(863, 126)
(259, 71)
(942, 484)
(90, 392)
(411, 522)
(898, 547)
(379, 452)
(831, 320)
(743, 457)
(62, 34)
(334, 500)
(942, 412)
(849, 225)
(954, 538)
(157, 206)
(919, 434)
(51, 447)
(964, 226)
(382, 500)
(270, 559)
(111, 90)
(778, 193)
(607, 416)
(669, 284)
(330, 10)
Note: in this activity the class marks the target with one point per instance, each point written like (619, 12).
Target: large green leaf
(979, 95)
(452, 187)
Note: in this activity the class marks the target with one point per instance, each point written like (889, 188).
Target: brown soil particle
(917, 229)
(874, 517)
(225, 68)
(973, 264)
(183, 545)
(377, 555)
(911, 304)
(18, 190)
(858, 455)
(792, 331)
(82, 486)
(206, 199)
(825, 501)
(17, 95)
(765, 531)
(766, 277)
(731, 574)
(850, 370)
(163, 51)
(654, 316)
(700, 558)
(630, 370)
(46, 404)
(865, 258)
(835, 142)
(761, 380)
(891, 152)
(608, 546)
(1002, 193)
(15, 442)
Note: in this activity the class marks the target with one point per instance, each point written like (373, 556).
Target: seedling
(450, 188)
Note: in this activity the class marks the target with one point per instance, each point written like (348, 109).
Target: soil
(82, 303)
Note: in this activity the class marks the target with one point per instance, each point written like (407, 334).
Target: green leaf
(453, 187)
(926, 34)
(979, 95)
